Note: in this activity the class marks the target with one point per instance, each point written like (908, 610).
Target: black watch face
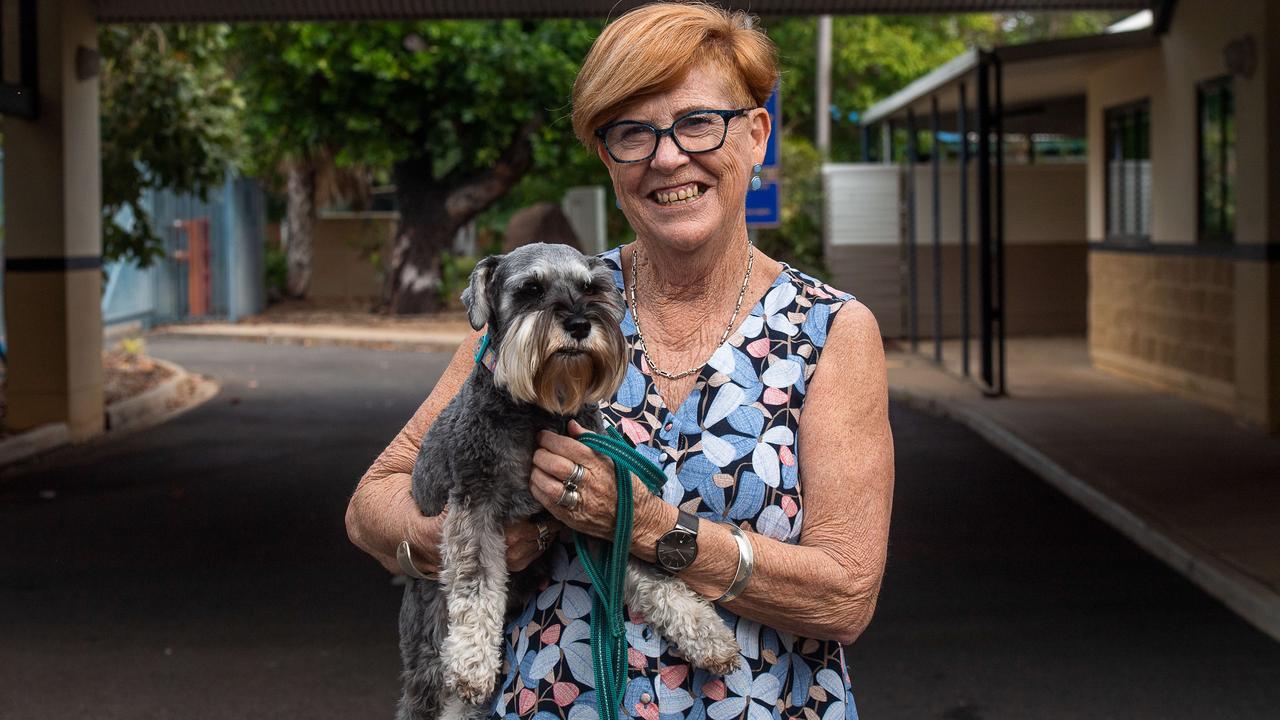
(677, 549)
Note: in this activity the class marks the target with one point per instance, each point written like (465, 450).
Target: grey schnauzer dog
(553, 319)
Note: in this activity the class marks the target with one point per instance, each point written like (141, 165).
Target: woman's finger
(522, 541)
(557, 466)
(565, 446)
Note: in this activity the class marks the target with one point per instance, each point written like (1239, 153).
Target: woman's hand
(554, 460)
(523, 546)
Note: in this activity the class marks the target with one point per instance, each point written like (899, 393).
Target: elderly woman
(760, 391)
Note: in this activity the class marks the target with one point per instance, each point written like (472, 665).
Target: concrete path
(200, 569)
(1183, 481)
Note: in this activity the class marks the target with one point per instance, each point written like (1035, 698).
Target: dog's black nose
(578, 327)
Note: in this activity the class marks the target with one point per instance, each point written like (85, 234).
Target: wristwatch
(678, 547)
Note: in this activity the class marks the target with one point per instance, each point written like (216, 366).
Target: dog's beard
(539, 364)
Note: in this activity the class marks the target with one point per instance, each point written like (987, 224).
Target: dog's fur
(477, 457)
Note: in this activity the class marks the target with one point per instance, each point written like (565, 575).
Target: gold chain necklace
(635, 315)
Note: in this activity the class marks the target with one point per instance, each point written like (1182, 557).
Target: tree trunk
(300, 217)
(425, 231)
(430, 215)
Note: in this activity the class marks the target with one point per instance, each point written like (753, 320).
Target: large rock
(541, 222)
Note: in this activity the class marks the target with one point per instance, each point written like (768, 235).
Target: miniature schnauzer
(553, 319)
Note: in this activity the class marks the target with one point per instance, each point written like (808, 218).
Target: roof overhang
(1033, 73)
(115, 11)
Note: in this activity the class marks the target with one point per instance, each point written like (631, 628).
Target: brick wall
(1166, 319)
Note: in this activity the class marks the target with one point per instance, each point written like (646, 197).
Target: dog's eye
(586, 287)
(533, 288)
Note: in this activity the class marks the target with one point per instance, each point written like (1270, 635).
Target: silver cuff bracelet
(746, 563)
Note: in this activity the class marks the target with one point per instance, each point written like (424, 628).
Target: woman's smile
(679, 195)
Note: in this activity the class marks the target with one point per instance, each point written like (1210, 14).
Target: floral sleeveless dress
(729, 453)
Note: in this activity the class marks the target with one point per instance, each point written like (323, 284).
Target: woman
(728, 348)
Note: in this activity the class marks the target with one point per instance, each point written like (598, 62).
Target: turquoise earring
(617, 202)
(755, 180)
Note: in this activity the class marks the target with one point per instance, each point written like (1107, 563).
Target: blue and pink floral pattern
(729, 454)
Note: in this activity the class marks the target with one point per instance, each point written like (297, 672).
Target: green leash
(608, 571)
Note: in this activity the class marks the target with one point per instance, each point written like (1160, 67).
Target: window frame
(1203, 236)
(1132, 109)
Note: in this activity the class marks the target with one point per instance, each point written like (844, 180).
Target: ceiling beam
(123, 11)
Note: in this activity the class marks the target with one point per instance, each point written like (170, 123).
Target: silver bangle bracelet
(405, 558)
(746, 563)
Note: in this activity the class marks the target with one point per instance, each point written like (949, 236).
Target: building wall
(1167, 319)
(1159, 312)
(1045, 249)
(346, 251)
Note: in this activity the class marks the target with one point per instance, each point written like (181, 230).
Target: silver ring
(406, 563)
(575, 477)
(569, 498)
(544, 536)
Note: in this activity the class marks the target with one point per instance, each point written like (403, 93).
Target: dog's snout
(578, 326)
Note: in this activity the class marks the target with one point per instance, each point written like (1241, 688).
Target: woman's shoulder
(849, 329)
(814, 287)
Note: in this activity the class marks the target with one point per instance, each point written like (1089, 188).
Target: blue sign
(764, 206)
(772, 150)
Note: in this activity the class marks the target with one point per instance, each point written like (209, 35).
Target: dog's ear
(476, 297)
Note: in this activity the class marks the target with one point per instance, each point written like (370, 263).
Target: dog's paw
(470, 672)
(714, 649)
(475, 690)
(720, 656)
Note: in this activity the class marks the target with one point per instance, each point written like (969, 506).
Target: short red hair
(650, 50)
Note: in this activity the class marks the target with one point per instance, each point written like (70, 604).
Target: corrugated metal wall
(158, 294)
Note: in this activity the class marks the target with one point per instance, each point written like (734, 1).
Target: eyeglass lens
(692, 133)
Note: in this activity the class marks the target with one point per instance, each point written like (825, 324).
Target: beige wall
(1166, 319)
(344, 249)
(1045, 249)
(1124, 286)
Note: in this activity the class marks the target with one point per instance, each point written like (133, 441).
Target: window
(1217, 125)
(1129, 171)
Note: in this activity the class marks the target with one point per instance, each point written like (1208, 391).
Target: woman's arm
(825, 586)
(382, 512)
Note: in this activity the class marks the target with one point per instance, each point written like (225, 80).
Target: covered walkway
(1186, 483)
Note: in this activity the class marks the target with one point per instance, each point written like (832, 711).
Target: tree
(872, 57)
(170, 119)
(458, 110)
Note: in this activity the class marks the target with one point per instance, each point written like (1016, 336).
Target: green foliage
(798, 239)
(1024, 27)
(276, 266)
(169, 120)
(872, 57)
(455, 271)
(454, 93)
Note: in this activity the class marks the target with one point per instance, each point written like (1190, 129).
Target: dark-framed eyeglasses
(699, 131)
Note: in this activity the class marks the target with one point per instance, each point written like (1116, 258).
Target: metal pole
(984, 220)
(822, 102)
(999, 244)
(913, 328)
(962, 122)
(936, 157)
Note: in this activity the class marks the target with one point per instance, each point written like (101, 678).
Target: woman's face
(719, 178)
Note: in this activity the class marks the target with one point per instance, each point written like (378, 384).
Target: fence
(161, 293)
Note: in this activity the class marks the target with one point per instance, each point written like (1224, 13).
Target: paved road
(200, 570)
